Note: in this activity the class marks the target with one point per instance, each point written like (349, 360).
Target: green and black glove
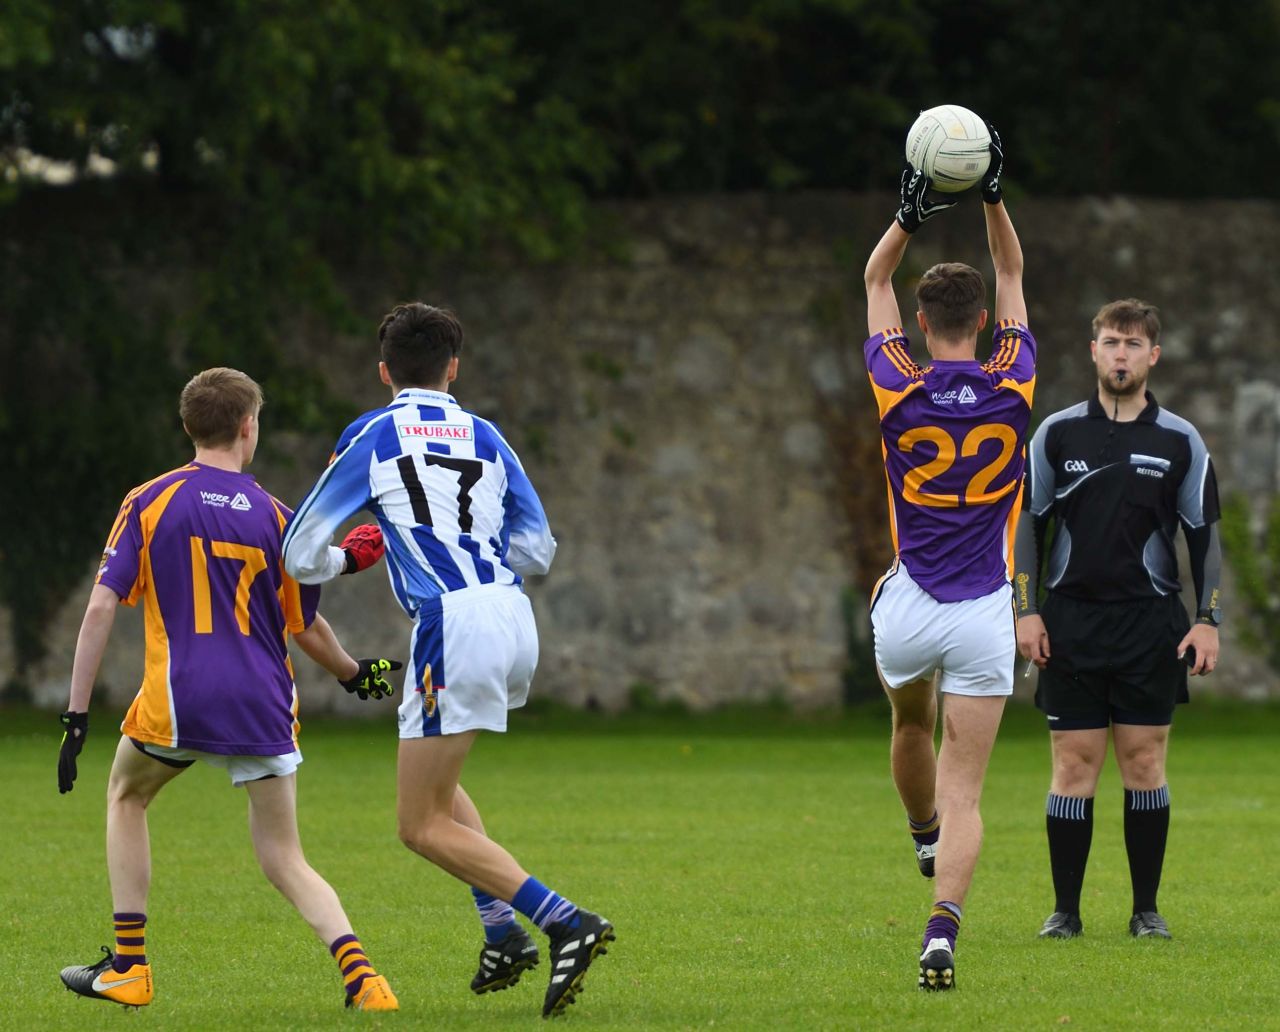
(368, 680)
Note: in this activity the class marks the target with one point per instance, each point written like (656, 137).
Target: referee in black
(1115, 475)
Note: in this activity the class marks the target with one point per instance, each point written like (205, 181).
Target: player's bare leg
(911, 755)
(273, 826)
(134, 781)
(912, 762)
(427, 776)
(465, 811)
(508, 950)
(125, 976)
(969, 726)
(427, 783)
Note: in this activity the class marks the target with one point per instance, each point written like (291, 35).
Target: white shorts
(973, 644)
(472, 658)
(242, 769)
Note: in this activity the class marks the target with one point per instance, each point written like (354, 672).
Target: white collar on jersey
(421, 394)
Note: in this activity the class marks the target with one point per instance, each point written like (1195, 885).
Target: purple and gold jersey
(200, 547)
(952, 435)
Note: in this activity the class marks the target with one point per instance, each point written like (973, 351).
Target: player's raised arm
(1006, 251)
(914, 209)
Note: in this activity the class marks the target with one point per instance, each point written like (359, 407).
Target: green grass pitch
(755, 864)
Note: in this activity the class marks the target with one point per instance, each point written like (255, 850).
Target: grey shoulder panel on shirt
(1191, 491)
(1173, 421)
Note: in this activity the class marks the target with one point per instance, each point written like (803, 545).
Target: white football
(950, 145)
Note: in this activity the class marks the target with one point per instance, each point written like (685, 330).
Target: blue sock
(496, 915)
(544, 907)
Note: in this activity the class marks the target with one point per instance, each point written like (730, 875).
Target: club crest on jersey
(435, 431)
(428, 691)
(107, 554)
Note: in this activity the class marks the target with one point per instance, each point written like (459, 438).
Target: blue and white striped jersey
(454, 503)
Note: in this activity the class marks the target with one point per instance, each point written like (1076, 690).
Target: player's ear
(383, 374)
(982, 321)
(451, 373)
(924, 325)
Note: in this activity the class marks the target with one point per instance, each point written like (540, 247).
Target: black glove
(368, 680)
(77, 726)
(917, 208)
(991, 192)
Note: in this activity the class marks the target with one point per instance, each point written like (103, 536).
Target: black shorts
(1112, 662)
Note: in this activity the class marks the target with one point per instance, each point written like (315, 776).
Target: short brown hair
(1127, 315)
(418, 342)
(214, 403)
(952, 296)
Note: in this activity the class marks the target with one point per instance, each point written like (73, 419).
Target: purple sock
(925, 833)
(944, 923)
(131, 938)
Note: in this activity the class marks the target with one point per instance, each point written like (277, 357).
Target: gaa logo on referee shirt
(1076, 466)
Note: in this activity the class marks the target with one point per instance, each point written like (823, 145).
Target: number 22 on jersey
(945, 453)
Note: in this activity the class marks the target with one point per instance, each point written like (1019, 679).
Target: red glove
(363, 545)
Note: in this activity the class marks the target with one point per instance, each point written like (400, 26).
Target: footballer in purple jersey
(942, 616)
(953, 453)
(200, 547)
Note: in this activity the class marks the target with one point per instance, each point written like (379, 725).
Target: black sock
(1069, 822)
(1146, 830)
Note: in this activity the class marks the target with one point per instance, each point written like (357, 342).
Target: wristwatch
(1212, 617)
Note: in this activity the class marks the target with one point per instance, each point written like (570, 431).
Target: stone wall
(687, 410)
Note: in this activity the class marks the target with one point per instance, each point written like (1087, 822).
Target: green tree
(1179, 99)
(253, 154)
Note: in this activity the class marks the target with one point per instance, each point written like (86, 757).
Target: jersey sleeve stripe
(901, 359)
(1004, 356)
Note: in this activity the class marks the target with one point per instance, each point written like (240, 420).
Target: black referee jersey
(1116, 492)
